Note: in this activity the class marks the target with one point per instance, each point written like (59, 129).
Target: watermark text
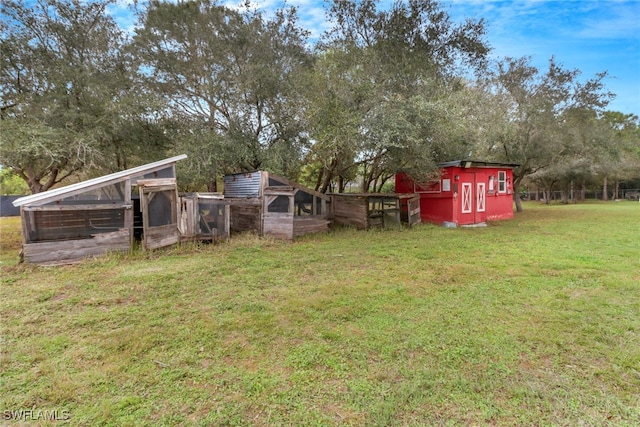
(35, 415)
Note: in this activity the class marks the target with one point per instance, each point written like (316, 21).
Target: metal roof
(56, 193)
(476, 163)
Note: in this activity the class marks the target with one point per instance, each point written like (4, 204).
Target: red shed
(468, 192)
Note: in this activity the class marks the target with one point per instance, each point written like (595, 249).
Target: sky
(592, 36)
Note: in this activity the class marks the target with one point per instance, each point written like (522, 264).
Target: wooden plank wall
(351, 211)
(302, 226)
(278, 226)
(245, 217)
(66, 251)
(413, 211)
(160, 236)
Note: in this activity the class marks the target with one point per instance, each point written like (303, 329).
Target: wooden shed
(468, 192)
(274, 206)
(366, 210)
(102, 215)
(204, 217)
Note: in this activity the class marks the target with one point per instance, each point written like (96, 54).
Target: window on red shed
(502, 182)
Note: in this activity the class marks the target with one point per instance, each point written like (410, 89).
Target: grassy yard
(534, 321)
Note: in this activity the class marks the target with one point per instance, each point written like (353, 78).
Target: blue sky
(589, 35)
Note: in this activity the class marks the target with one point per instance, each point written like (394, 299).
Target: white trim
(57, 193)
(467, 197)
(502, 183)
(481, 198)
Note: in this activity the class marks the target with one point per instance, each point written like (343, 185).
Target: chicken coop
(468, 192)
(271, 205)
(367, 210)
(101, 215)
(204, 217)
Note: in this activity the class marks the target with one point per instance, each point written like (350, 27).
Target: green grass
(534, 321)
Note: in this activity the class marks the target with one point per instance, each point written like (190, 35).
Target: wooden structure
(204, 217)
(94, 217)
(274, 206)
(468, 192)
(366, 210)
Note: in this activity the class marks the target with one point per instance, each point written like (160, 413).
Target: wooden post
(128, 211)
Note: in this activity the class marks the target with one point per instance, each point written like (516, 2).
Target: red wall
(463, 195)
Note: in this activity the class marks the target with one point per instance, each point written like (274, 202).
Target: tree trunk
(383, 181)
(516, 193)
(572, 193)
(319, 179)
(328, 176)
(616, 190)
(605, 196)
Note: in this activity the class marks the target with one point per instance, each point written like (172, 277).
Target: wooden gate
(159, 205)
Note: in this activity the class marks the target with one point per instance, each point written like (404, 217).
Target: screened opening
(280, 204)
(306, 204)
(383, 211)
(212, 217)
(379, 204)
(275, 183)
(138, 228)
(109, 194)
(303, 203)
(160, 209)
(318, 206)
(71, 225)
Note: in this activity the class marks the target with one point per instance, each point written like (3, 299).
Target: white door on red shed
(480, 197)
(467, 197)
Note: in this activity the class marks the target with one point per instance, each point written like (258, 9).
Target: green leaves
(230, 72)
(541, 119)
(380, 88)
(63, 80)
(386, 88)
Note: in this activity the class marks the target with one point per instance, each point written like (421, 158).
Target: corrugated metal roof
(242, 184)
(57, 193)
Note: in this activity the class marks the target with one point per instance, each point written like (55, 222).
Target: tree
(11, 184)
(336, 94)
(66, 90)
(231, 73)
(599, 148)
(538, 115)
(619, 157)
(381, 76)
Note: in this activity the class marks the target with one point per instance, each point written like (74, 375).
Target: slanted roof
(57, 193)
(298, 186)
(476, 164)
